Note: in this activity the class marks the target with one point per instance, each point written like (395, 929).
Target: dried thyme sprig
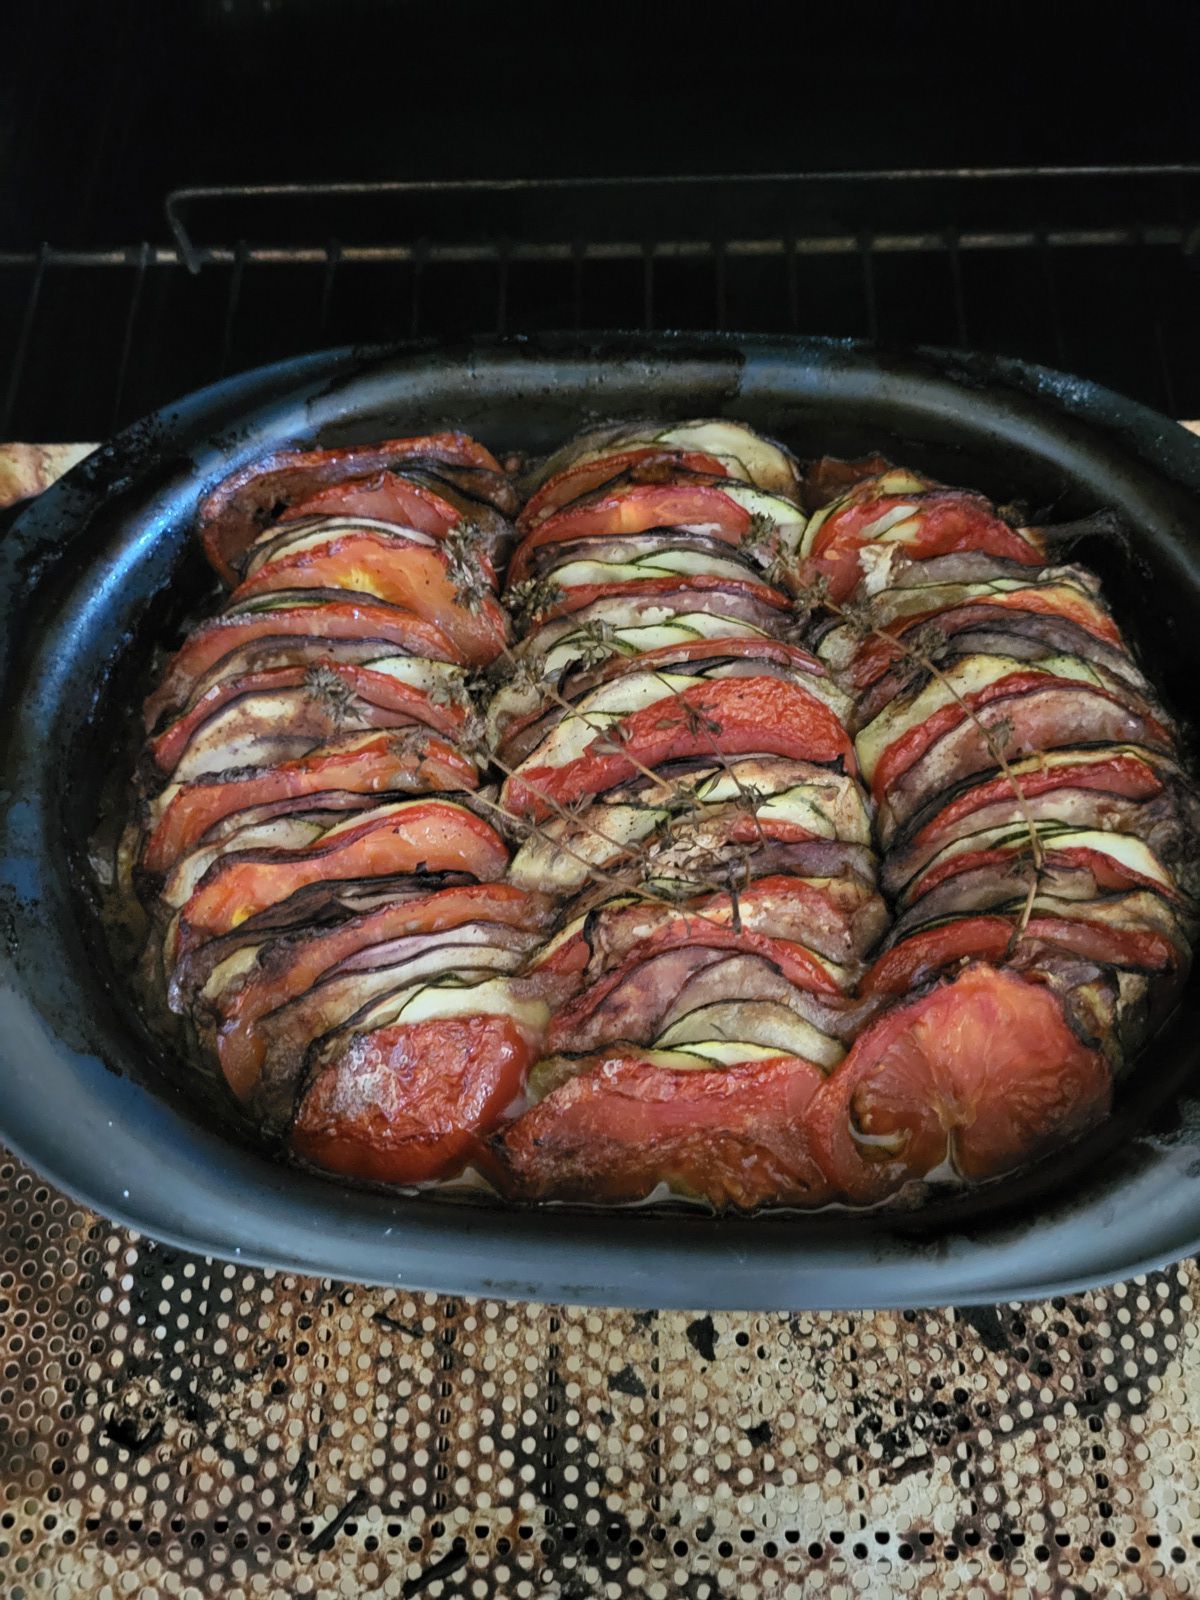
(464, 568)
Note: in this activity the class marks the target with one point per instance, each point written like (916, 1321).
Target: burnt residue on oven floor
(171, 1425)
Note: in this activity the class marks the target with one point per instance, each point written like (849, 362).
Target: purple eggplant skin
(674, 982)
(720, 601)
(1051, 717)
(1065, 891)
(1025, 636)
(313, 907)
(1025, 649)
(1168, 823)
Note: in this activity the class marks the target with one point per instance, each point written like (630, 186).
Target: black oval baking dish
(100, 570)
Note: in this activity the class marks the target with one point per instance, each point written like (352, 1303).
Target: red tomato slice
(1124, 775)
(932, 950)
(734, 1136)
(375, 688)
(378, 763)
(647, 463)
(412, 1102)
(875, 656)
(235, 512)
(748, 830)
(735, 716)
(984, 1070)
(290, 967)
(662, 660)
(1141, 949)
(213, 640)
(384, 497)
(666, 591)
(778, 906)
(912, 745)
(400, 573)
(948, 520)
(1108, 873)
(636, 509)
(422, 836)
(902, 753)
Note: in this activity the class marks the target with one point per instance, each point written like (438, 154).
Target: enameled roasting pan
(102, 567)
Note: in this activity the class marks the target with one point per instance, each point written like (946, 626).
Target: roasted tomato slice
(906, 750)
(929, 951)
(877, 656)
(287, 968)
(936, 522)
(371, 763)
(413, 836)
(638, 508)
(647, 463)
(1040, 720)
(383, 496)
(235, 512)
(1113, 861)
(834, 917)
(354, 618)
(412, 1102)
(518, 732)
(1124, 773)
(734, 1136)
(395, 571)
(732, 716)
(983, 1072)
(1138, 948)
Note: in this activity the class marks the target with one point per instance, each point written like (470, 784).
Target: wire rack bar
(817, 253)
(841, 244)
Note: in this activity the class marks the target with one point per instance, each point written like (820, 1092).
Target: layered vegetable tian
(676, 820)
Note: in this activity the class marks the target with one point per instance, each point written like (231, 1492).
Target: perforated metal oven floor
(174, 1426)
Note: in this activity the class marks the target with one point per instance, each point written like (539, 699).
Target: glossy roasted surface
(1097, 1211)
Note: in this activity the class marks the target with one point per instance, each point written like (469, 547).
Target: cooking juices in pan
(775, 836)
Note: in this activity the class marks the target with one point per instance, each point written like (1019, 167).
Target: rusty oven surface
(174, 1426)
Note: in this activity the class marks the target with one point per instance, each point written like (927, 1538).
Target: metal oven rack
(175, 1426)
(1089, 269)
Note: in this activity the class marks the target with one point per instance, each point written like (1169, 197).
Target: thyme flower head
(531, 597)
(323, 683)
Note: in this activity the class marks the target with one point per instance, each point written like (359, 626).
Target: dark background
(105, 106)
(108, 106)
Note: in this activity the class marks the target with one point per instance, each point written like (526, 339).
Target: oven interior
(1094, 272)
(188, 1426)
